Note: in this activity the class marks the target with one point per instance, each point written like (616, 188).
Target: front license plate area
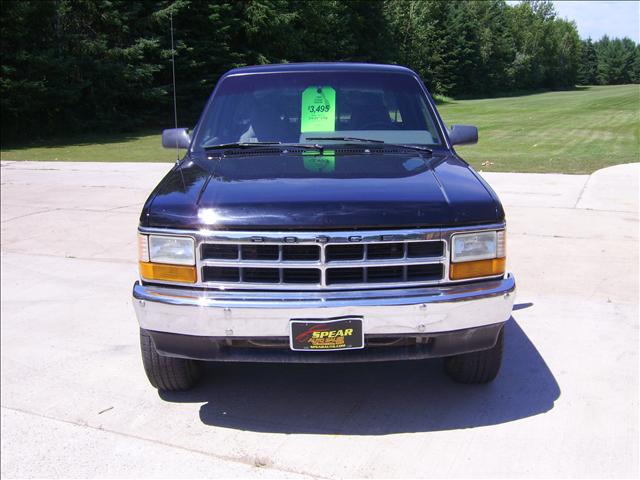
(326, 335)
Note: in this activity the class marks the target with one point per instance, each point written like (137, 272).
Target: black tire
(167, 373)
(476, 367)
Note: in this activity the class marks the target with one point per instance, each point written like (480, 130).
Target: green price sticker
(320, 163)
(318, 110)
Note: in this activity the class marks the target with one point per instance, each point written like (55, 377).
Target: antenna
(173, 71)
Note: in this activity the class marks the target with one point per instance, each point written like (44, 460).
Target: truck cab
(321, 214)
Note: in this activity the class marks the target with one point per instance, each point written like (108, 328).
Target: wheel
(476, 367)
(166, 373)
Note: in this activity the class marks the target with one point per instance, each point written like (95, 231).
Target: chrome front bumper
(267, 314)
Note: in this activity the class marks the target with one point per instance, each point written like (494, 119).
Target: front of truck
(321, 215)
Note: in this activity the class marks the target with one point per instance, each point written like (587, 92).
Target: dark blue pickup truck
(321, 214)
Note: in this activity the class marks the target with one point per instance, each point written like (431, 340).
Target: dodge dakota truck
(321, 214)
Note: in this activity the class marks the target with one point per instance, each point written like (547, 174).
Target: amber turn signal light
(168, 273)
(478, 268)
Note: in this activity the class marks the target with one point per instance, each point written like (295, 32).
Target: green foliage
(616, 61)
(588, 70)
(609, 62)
(105, 65)
(77, 65)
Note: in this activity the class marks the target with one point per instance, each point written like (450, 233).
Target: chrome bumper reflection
(257, 314)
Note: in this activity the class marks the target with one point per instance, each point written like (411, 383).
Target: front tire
(476, 367)
(166, 373)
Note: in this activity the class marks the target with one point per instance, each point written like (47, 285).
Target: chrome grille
(322, 261)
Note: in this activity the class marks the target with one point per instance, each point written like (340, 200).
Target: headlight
(479, 254)
(474, 246)
(167, 258)
(171, 250)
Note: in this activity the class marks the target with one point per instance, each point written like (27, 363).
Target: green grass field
(124, 147)
(576, 131)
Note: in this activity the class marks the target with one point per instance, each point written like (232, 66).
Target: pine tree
(616, 59)
(588, 70)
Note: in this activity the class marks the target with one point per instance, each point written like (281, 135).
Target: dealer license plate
(322, 335)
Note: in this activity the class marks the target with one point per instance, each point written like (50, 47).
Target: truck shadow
(372, 399)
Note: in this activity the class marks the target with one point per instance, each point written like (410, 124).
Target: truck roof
(320, 66)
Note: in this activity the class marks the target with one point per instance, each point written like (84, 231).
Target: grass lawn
(124, 147)
(577, 131)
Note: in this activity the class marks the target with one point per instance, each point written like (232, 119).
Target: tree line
(609, 62)
(105, 65)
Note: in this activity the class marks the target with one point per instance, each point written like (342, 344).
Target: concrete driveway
(75, 401)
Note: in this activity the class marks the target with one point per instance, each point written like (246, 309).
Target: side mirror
(176, 138)
(463, 135)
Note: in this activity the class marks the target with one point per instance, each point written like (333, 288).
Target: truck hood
(303, 192)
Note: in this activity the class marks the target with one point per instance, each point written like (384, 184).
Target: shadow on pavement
(372, 399)
(522, 306)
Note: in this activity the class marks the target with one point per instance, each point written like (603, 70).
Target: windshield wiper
(304, 146)
(347, 139)
(239, 145)
(368, 140)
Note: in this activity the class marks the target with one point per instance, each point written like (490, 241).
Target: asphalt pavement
(75, 401)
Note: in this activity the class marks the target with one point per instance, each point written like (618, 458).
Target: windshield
(291, 107)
